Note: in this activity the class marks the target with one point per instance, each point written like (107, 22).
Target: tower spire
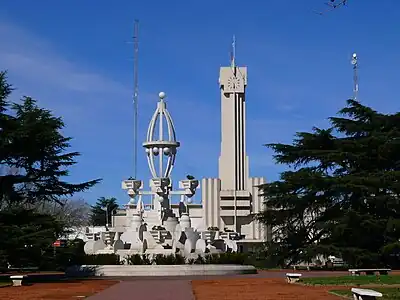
(354, 62)
(233, 52)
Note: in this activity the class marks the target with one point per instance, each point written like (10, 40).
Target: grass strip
(353, 280)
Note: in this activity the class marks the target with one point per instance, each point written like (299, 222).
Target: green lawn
(388, 293)
(352, 280)
(5, 283)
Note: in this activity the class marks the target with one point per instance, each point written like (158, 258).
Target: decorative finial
(354, 59)
(162, 95)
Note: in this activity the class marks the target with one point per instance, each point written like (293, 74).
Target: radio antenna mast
(135, 95)
(354, 62)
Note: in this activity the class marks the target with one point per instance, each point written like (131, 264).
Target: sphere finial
(354, 59)
(162, 95)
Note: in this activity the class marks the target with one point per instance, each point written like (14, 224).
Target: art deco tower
(231, 200)
(233, 161)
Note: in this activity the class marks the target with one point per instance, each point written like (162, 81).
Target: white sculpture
(158, 230)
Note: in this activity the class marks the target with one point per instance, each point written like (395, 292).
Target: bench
(354, 272)
(364, 294)
(17, 279)
(292, 277)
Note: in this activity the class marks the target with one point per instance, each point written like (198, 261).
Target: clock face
(234, 83)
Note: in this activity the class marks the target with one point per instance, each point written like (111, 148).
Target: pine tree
(32, 143)
(98, 211)
(34, 162)
(341, 194)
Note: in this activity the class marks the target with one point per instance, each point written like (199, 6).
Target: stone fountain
(154, 228)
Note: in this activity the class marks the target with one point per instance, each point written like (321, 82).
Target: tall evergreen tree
(98, 212)
(34, 162)
(341, 194)
(32, 143)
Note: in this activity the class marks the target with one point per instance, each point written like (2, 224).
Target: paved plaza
(180, 288)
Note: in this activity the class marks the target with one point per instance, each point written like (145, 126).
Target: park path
(180, 287)
(147, 289)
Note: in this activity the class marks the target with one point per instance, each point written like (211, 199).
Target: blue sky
(74, 57)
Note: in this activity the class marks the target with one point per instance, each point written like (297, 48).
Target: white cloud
(57, 72)
(83, 97)
(33, 58)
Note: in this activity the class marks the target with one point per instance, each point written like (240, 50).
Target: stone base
(105, 251)
(160, 270)
(153, 252)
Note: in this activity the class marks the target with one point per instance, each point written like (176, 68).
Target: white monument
(224, 221)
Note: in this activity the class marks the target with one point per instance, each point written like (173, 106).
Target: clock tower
(231, 200)
(233, 161)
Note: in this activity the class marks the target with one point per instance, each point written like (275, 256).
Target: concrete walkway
(178, 287)
(147, 290)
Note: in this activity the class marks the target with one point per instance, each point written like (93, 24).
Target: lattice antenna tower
(135, 95)
(354, 62)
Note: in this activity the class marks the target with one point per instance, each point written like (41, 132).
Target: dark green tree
(26, 236)
(340, 195)
(34, 162)
(98, 211)
(32, 143)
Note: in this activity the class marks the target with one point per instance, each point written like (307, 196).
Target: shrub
(60, 258)
(199, 260)
(180, 260)
(234, 258)
(137, 259)
(101, 259)
(171, 259)
(211, 259)
(160, 259)
(328, 268)
(221, 258)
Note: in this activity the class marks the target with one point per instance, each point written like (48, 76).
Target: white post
(106, 216)
(160, 138)
(235, 211)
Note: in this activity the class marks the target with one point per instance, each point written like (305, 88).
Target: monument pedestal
(105, 251)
